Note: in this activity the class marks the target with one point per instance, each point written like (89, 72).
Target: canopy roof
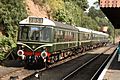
(113, 14)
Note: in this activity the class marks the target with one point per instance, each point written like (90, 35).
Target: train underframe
(61, 55)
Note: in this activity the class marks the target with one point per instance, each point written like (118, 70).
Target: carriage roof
(105, 34)
(100, 33)
(45, 21)
(96, 32)
(37, 21)
(63, 25)
(84, 29)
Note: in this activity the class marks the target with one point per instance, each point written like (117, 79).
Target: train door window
(59, 36)
(76, 36)
(72, 36)
(66, 36)
(86, 36)
(81, 36)
(96, 36)
(55, 35)
(93, 36)
(63, 36)
(46, 34)
(89, 36)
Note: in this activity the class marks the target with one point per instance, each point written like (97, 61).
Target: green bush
(11, 13)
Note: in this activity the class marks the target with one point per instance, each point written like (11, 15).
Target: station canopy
(113, 14)
(111, 8)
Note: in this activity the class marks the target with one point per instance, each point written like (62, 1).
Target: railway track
(61, 72)
(90, 70)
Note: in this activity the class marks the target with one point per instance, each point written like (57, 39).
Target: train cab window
(35, 33)
(24, 33)
(40, 33)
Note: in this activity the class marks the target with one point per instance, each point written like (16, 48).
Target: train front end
(34, 40)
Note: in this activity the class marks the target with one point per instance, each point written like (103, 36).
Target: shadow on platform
(115, 65)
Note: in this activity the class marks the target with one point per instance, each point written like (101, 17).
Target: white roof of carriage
(105, 34)
(83, 29)
(45, 21)
(96, 32)
(101, 33)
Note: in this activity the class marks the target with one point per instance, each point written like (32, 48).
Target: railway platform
(112, 70)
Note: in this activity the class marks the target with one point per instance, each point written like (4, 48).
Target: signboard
(35, 20)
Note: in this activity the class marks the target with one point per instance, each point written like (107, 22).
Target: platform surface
(113, 72)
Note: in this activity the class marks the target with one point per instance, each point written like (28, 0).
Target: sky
(90, 2)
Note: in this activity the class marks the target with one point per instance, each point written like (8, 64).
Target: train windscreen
(35, 33)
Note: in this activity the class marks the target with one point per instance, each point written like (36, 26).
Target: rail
(84, 65)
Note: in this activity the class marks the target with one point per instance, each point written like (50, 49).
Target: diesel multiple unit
(42, 40)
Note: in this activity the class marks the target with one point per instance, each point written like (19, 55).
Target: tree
(83, 4)
(90, 23)
(11, 13)
(102, 21)
(95, 13)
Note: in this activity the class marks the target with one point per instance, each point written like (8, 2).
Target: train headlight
(20, 52)
(44, 54)
(33, 46)
(23, 46)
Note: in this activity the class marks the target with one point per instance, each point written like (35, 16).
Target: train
(41, 40)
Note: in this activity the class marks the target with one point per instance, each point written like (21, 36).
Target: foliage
(88, 22)
(93, 12)
(55, 4)
(11, 12)
(83, 4)
(4, 46)
(70, 14)
(102, 21)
